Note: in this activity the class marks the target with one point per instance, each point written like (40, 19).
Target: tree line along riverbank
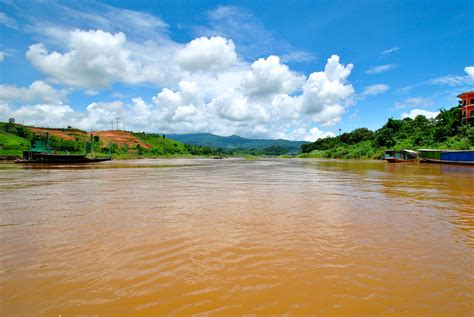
(16, 138)
(445, 131)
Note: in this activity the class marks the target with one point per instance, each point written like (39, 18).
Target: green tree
(447, 124)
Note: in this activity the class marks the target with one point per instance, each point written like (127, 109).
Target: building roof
(466, 93)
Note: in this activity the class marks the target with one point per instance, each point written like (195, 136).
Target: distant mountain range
(234, 141)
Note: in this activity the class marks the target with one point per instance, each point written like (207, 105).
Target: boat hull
(396, 160)
(447, 162)
(447, 157)
(45, 158)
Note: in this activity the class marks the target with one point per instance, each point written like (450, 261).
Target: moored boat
(32, 157)
(402, 156)
(41, 152)
(446, 156)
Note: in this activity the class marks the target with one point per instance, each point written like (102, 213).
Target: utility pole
(112, 124)
(92, 146)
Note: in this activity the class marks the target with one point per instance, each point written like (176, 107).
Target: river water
(232, 237)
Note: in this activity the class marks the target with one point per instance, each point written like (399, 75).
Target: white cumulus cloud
(38, 91)
(207, 54)
(232, 106)
(416, 112)
(43, 115)
(203, 86)
(269, 76)
(470, 71)
(95, 59)
(315, 134)
(325, 92)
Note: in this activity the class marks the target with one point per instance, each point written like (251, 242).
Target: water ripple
(237, 237)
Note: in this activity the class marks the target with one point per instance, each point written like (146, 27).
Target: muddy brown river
(237, 237)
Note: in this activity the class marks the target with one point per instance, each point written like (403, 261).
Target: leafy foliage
(444, 131)
(15, 129)
(62, 145)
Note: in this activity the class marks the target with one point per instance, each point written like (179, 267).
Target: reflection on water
(230, 237)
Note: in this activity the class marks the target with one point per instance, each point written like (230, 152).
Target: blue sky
(267, 69)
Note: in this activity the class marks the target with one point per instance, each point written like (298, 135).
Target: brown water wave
(234, 237)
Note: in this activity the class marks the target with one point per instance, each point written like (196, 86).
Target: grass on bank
(11, 144)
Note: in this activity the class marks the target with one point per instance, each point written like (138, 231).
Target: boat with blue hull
(447, 157)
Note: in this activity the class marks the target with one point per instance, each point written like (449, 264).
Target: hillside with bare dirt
(118, 137)
(16, 138)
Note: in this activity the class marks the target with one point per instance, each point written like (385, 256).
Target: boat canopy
(406, 151)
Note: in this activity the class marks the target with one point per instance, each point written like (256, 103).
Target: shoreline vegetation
(443, 132)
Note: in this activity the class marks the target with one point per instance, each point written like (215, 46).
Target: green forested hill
(443, 132)
(235, 142)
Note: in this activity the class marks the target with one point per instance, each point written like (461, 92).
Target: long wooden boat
(402, 156)
(446, 156)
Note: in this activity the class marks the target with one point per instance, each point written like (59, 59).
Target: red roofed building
(467, 106)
